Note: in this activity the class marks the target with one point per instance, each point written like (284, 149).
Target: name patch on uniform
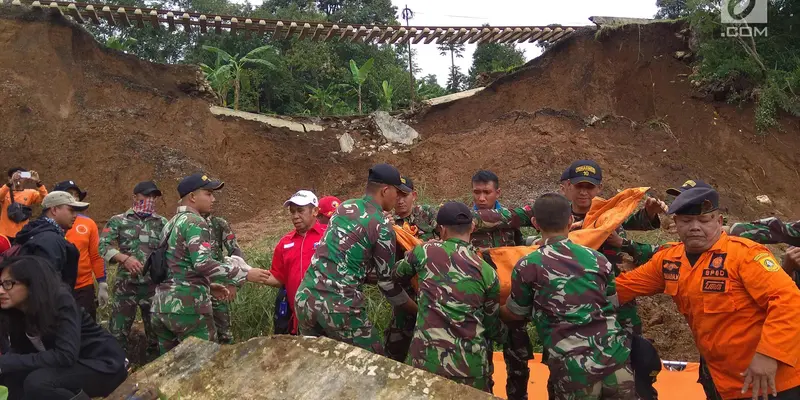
(768, 262)
(714, 286)
(671, 270)
(288, 245)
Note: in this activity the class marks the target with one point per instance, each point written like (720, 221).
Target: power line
(452, 16)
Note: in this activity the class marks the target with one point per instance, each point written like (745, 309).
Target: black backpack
(18, 212)
(156, 264)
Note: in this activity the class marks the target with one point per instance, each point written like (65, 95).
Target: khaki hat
(57, 198)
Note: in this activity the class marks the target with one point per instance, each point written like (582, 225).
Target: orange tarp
(671, 385)
(603, 218)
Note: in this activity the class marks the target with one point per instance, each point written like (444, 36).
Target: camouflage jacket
(359, 238)
(769, 231)
(498, 236)
(458, 308)
(423, 218)
(133, 235)
(570, 292)
(191, 267)
(223, 240)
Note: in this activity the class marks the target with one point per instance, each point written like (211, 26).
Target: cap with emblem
(408, 185)
(59, 198)
(195, 182)
(389, 175)
(695, 201)
(147, 188)
(454, 213)
(66, 186)
(302, 198)
(585, 171)
(328, 205)
(686, 186)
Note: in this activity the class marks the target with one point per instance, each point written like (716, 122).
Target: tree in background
(386, 96)
(258, 57)
(456, 79)
(671, 9)
(494, 57)
(325, 100)
(428, 88)
(117, 43)
(360, 76)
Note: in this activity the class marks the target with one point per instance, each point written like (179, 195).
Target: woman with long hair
(51, 349)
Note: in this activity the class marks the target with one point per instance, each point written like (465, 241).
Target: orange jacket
(25, 197)
(737, 301)
(85, 237)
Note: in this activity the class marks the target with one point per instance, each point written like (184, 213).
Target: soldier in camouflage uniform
(182, 303)
(223, 244)
(458, 302)
(569, 291)
(768, 231)
(127, 240)
(359, 238)
(517, 349)
(419, 220)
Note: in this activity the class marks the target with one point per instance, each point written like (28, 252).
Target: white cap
(302, 198)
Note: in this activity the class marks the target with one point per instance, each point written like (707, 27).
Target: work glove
(102, 293)
(237, 261)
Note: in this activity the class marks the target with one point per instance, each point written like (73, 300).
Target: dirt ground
(72, 109)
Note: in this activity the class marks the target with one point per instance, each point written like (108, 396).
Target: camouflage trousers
(222, 321)
(129, 296)
(478, 383)
(517, 351)
(398, 335)
(616, 386)
(352, 327)
(172, 329)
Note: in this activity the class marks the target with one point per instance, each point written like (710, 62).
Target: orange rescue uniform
(737, 301)
(27, 197)
(85, 237)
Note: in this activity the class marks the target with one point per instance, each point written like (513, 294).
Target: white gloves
(102, 293)
(237, 261)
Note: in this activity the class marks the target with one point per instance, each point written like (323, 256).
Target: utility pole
(407, 15)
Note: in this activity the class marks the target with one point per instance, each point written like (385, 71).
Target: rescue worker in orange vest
(742, 308)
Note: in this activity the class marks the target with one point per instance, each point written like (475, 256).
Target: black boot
(81, 396)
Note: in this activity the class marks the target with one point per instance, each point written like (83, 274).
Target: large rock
(393, 130)
(284, 367)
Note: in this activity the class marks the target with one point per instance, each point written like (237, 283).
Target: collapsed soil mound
(74, 110)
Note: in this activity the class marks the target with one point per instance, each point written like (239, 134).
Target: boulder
(393, 130)
(346, 143)
(285, 368)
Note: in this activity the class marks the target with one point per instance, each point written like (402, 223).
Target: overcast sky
(508, 12)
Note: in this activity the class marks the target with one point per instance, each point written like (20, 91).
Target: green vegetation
(293, 76)
(769, 64)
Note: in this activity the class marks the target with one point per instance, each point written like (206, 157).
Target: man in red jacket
(293, 253)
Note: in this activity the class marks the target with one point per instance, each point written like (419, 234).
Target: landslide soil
(72, 109)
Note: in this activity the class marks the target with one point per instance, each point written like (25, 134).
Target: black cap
(66, 186)
(408, 185)
(454, 213)
(389, 175)
(695, 201)
(686, 186)
(11, 171)
(584, 171)
(147, 188)
(196, 182)
(565, 175)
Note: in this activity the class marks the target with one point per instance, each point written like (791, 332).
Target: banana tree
(324, 100)
(220, 77)
(235, 65)
(387, 95)
(359, 78)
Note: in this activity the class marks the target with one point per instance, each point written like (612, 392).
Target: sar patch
(768, 262)
(718, 261)
(714, 286)
(671, 270)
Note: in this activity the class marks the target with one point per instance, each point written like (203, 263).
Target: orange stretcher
(671, 385)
